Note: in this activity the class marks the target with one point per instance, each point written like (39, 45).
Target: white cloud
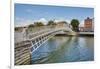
(81, 23)
(58, 20)
(23, 23)
(68, 21)
(42, 20)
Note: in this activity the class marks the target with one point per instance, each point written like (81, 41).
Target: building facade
(88, 25)
(62, 24)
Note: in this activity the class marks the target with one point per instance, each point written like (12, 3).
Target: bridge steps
(22, 53)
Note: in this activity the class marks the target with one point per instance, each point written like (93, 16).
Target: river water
(61, 49)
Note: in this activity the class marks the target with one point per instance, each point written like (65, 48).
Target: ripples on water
(65, 49)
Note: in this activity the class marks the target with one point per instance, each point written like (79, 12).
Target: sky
(25, 14)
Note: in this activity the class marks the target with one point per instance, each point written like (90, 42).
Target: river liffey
(61, 49)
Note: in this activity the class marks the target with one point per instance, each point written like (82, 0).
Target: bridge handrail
(46, 29)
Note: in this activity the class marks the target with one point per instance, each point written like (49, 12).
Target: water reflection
(65, 49)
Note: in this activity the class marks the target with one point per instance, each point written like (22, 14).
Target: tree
(31, 26)
(75, 25)
(38, 24)
(51, 22)
(18, 28)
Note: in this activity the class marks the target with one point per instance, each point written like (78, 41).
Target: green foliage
(38, 24)
(18, 28)
(75, 24)
(31, 26)
(51, 22)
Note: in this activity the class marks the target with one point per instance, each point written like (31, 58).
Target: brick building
(88, 24)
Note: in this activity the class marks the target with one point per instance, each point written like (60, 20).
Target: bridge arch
(31, 41)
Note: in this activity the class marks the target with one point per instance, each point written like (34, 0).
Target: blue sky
(28, 13)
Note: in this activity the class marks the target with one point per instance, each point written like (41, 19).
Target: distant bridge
(31, 41)
(86, 33)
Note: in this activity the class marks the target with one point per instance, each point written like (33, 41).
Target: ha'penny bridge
(27, 42)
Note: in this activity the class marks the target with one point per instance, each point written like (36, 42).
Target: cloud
(42, 20)
(81, 23)
(25, 22)
(58, 20)
(68, 21)
(22, 22)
